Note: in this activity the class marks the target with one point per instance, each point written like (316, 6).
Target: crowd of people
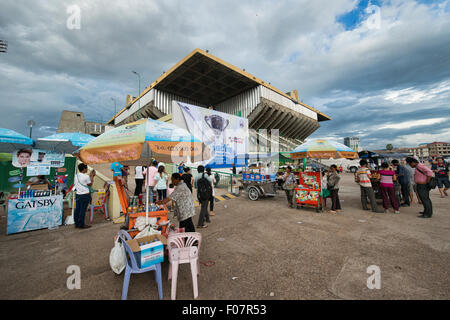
(405, 180)
(177, 189)
(398, 182)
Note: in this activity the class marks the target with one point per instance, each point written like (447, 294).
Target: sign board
(19, 185)
(14, 172)
(27, 214)
(226, 135)
(38, 171)
(37, 158)
(14, 179)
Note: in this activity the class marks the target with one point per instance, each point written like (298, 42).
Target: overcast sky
(381, 70)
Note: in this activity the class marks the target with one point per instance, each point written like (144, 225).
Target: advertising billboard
(27, 214)
(226, 135)
(37, 158)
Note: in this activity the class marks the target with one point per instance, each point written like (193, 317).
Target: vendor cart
(309, 190)
(259, 185)
(132, 212)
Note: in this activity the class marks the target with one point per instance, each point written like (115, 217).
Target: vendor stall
(138, 143)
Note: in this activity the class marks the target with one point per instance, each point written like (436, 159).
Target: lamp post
(139, 76)
(31, 123)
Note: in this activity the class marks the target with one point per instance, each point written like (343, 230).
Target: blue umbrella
(11, 140)
(66, 142)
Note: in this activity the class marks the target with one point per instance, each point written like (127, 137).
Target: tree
(389, 147)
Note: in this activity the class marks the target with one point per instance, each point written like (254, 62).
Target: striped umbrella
(323, 149)
(137, 142)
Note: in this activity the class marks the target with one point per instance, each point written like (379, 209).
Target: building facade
(420, 152)
(74, 121)
(204, 80)
(353, 143)
(439, 149)
(434, 149)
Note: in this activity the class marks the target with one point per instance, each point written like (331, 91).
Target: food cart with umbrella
(137, 143)
(309, 190)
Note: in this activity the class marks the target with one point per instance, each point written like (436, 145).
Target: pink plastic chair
(184, 248)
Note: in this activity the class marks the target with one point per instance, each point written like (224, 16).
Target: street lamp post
(139, 76)
(31, 123)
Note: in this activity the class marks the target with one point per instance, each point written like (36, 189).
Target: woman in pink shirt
(387, 187)
(152, 170)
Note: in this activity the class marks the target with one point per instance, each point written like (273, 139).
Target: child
(387, 187)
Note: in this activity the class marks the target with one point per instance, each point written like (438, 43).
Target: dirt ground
(257, 250)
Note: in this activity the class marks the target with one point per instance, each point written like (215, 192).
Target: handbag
(91, 190)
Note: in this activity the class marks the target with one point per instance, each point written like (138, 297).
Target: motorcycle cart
(259, 185)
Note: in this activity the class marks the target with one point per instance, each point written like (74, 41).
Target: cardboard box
(147, 251)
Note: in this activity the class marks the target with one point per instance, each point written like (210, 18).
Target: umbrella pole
(146, 199)
(148, 187)
(73, 188)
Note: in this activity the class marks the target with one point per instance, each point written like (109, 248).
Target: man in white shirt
(83, 194)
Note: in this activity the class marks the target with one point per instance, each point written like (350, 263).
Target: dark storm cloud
(363, 78)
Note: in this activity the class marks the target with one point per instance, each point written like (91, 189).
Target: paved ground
(263, 248)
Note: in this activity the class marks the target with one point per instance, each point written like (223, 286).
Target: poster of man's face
(35, 157)
(23, 157)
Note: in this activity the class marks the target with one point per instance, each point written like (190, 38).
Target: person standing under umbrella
(139, 173)
(152, 171)
(188, 178)
(161, 182)
(83, 195)
(184, 203)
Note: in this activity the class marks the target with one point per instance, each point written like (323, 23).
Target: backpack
(204, 188)
(433, 182)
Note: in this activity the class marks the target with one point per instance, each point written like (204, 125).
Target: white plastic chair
(184, 248)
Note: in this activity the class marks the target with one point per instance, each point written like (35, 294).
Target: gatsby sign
(34, 213)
